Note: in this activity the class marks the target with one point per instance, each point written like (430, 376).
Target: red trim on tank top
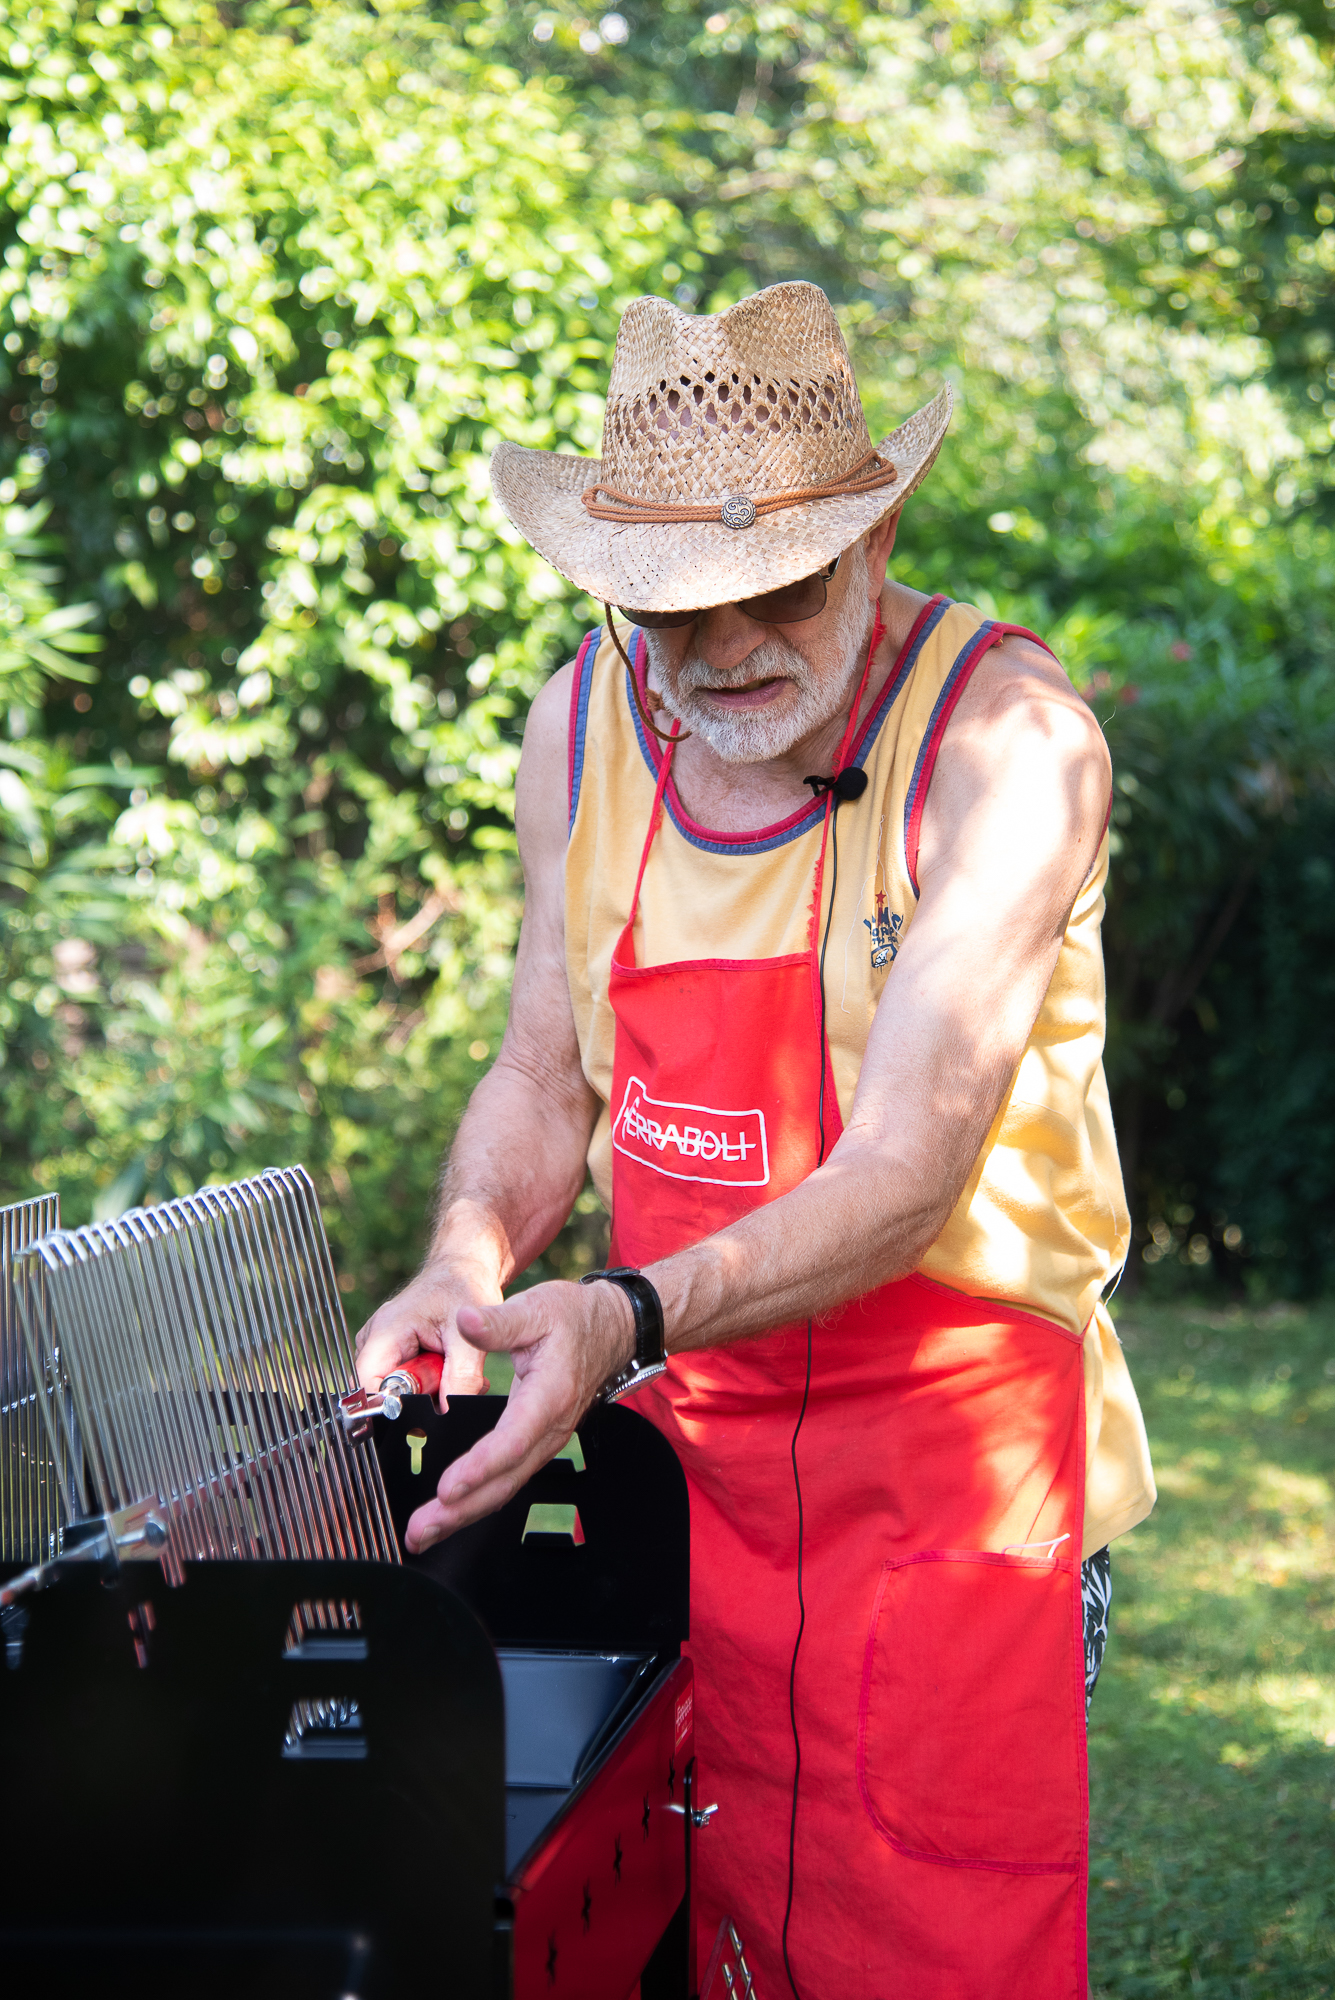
(1023, 632)
(814, 810)
(960, 676)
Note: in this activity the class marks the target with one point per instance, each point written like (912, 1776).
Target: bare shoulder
(549, 716)
(540, 784)
(1023, 773)
(1020, 698)
(540, 1040)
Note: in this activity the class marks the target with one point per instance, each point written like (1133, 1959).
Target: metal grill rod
(207, 1353)
(39, 1487)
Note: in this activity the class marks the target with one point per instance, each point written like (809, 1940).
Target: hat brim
(682, 566)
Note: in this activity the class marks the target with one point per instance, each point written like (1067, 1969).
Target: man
(810, 976)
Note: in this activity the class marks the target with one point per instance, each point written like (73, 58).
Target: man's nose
(725, 636)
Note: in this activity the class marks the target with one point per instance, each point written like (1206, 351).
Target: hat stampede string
(738, 510)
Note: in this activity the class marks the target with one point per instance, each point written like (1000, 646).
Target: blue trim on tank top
(947, 686)
(813, 817)
(891, 693)
(584, 669)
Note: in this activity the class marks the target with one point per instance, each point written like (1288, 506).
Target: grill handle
(419, 1376)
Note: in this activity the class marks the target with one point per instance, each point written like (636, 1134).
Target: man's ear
(879, 541)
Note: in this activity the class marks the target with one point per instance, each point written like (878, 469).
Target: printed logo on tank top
(885, 938)
(692, 1142)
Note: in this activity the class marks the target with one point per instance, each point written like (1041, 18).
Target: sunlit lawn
(1212, 1739)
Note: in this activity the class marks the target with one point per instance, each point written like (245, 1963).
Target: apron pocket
(968, 1730)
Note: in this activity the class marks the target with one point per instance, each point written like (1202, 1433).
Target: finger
(503, 1454)
(488, 1475)
(381, 1349)
(496, 1329)
(465, 1374)
(437, 1519)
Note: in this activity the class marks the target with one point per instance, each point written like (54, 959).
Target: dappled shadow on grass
(1212, 1743)
(1211, 1860)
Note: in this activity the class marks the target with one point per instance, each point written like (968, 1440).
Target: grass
(1212, 1738)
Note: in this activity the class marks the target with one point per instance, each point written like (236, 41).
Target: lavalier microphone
(848, 784)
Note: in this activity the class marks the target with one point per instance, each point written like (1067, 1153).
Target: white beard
(753, 736)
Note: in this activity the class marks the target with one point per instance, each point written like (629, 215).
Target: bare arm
(517, 1162)
(1011, 830)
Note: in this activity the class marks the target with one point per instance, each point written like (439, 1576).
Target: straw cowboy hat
(736, 458)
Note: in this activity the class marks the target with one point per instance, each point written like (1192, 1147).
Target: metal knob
(700, 1816)
(357, 1408)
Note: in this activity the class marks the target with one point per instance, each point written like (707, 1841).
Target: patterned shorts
(1096, 1596)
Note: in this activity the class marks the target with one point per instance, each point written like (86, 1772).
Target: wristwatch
(650, 1356)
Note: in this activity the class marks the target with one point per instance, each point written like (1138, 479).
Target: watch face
(630, 1379)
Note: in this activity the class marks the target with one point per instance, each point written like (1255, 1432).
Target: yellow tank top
(1042, 1225)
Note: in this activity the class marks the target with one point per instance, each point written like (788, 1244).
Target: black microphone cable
(849, 784)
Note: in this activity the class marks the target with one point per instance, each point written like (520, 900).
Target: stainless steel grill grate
(32, 1513)
(206, 1351)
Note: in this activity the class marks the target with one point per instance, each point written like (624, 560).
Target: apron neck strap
(877, 634)
(655, 815)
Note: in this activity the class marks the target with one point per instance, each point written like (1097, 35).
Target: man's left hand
(565, 1341)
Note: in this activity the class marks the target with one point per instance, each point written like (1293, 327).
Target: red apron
(941, 1827)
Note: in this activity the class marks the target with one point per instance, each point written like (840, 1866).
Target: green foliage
(1218, 939)
(270, 373)
(1248, 1120)
(275, 280)
(40, 639)
(184, 994)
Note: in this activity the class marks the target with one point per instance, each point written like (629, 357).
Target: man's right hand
(421, 1318)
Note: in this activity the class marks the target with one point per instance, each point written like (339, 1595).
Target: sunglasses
(791, 604)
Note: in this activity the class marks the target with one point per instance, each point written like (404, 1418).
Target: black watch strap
(650, 1356)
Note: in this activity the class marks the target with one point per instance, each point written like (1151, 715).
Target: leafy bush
(275, 280)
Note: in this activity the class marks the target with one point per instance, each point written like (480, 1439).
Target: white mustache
(770, 661)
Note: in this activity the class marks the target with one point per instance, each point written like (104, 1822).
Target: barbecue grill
(254, 1744)
(31, 1510)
